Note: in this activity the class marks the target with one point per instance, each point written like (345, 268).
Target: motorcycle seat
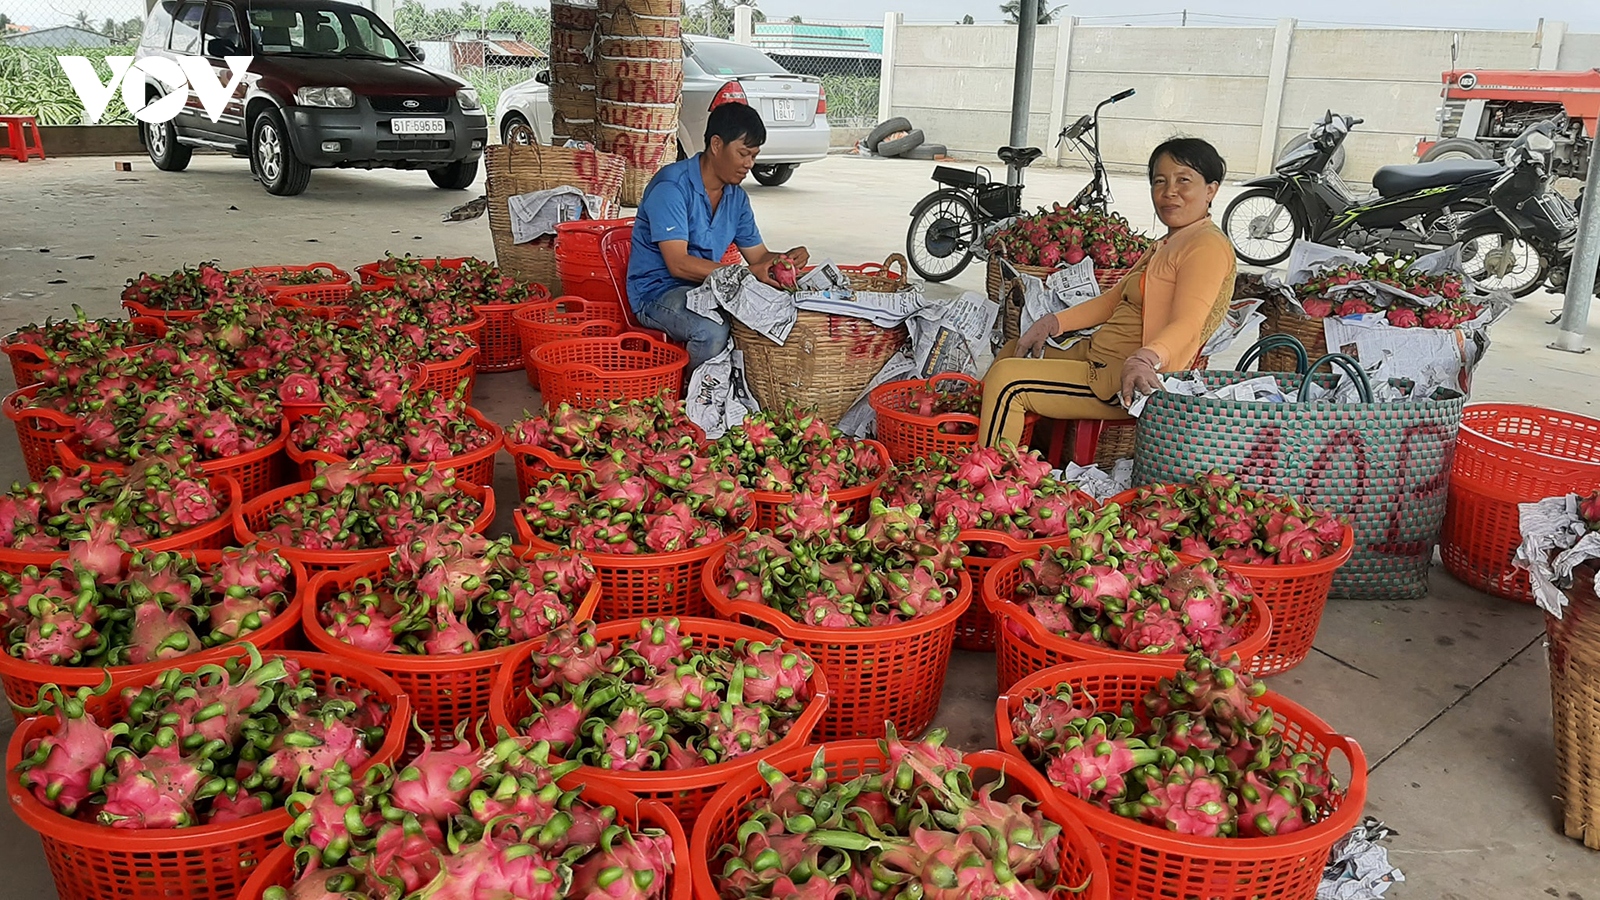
(1392, 180)
(1021, 157)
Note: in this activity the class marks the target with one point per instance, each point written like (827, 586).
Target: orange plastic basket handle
(55, 420)
(31, 353)
(1006, 541)
(638, 343)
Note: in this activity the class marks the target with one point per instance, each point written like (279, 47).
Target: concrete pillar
(1267, 150)
(384, 10)
(1058, 88)
(744, 24)
(1550, 41)
(891, 28)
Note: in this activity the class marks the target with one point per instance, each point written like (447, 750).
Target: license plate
(416, 126)
(784, 110)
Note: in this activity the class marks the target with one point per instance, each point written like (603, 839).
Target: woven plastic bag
(1384, 466)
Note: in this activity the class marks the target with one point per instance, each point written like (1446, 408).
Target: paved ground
(1448, 695)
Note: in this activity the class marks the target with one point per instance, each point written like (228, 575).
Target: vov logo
(178, 76)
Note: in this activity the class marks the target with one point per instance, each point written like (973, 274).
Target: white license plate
(784, 110)
(416, 126)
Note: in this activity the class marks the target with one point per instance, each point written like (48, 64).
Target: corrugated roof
(514, 48)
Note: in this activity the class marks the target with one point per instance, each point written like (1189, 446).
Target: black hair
(1193, 152)
(732, 121)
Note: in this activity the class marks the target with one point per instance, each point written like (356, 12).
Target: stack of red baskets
(564, 319)
(588, 372)
(1509, 454)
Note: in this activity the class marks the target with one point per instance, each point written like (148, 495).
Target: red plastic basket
(588, 372)
(1084, 874)
(29, 360)
(22, 680)
(894, 673)
(447, 375)
(599, 328)
(444, 690)
(270, 276)
(1149, 862)
(213, 535)
(1510, 454)
(562, 319)
(252, 518)
(536, 464)
(40, 431)
(975, 630)
(1297, 596)
(476, 466)
(256, 472)
(206, 862)
(858, 500)
(642, 585)
(277, 870)
(372, 278)
(1024, 646)
(331, 300)
(685, 791)
(910, 436)
(137, 309)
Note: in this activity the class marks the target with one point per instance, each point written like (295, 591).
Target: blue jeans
(701, 336)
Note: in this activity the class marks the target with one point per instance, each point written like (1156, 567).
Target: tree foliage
(1013, 12)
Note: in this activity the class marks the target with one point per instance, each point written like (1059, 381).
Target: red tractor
(1484, 111)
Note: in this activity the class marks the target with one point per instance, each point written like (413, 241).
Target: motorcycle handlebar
(1122, 96)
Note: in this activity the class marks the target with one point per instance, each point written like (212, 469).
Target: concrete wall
(1247, 90)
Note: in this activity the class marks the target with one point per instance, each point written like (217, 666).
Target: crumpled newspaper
(1358, 867)
(718, 398)
(861, 420)
(1097, 482)
(764, 309)
(1263, 389)
(537, 213)
(1547, 526)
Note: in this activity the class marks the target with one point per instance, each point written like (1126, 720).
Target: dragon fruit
(68, 766)
(785, 273)
(1066, 235)
(794, 451)
(670, 702)
(1435, 301)
(1215, 516)
(683, 511)
(993, 489)
(344, 509)
(425, 427)
(100, 516)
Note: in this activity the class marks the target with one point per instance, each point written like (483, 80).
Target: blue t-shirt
(675, 207)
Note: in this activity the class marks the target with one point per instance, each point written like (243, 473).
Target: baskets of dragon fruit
(1189, 772)
(593, 840)
(132, 615)
(1288, 551)
(1103, 592)
(567, 441)
(700, 702)
(874, 605)
(785, 454)
(123, 811)
(423, 429)
(349, 515)
(442, 614)
(926, 810)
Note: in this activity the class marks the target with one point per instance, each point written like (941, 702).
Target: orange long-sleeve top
(1177, 294)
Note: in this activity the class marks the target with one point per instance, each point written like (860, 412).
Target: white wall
(954, 82)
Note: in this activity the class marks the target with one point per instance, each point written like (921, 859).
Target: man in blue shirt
(691, 211)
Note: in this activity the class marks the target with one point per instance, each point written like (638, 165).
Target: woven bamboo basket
(517, 169)
(572, 17)
(571, 48)
(1575, 701)
(1283, 318)
(641, 70)
(637, 148)
(615, 47)
(574, 74)
(643, 91)
(624, 22)
(673, 8)
(578, 103)
(660, 117)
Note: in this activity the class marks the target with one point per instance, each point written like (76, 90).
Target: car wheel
(884, 129)
(896, 146)
(774, 175)
(281, 172)
(456, 176)
(1457, 148)
(516, 130)
(161, 141)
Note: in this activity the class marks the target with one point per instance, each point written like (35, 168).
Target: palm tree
(1013, 9)
(967, 20)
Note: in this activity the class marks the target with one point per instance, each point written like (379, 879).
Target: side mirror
(1540, 142)
(416, 50)
(543, 77)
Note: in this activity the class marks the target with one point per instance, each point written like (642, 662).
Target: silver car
(714, 71)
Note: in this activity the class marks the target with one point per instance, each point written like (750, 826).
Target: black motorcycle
(1413, 209)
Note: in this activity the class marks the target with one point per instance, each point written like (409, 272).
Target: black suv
(329, 86)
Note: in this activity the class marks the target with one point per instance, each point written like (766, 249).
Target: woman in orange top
(1154, 320)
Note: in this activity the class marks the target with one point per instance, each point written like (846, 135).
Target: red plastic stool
(17, 130)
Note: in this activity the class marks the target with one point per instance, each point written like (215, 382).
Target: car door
(185, 41)
(220, 38)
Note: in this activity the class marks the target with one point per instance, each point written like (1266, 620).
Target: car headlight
(468, 98)
(340, 97)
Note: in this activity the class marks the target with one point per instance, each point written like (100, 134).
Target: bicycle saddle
(1021, 157)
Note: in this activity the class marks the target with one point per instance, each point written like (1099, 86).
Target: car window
(362, 36)
(304, 31)
(718, 58)
(159, 25)
(221, 25)
(186, 28)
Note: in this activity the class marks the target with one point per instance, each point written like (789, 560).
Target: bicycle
(949, 226)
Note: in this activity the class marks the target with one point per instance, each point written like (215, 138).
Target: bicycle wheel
(944, 228)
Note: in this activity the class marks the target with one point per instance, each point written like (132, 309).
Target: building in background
(499, 49)
(819, 48)
(60, 37)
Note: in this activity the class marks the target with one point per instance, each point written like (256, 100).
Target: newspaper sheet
(537, 213)
(717, 397)
(1555, 540)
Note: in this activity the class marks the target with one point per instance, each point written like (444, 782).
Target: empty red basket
(588, 372)
(1507, 455)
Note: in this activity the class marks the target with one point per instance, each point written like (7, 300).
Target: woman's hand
(1033, 340)
(1141, 374)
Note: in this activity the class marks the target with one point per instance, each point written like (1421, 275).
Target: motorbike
(1412, 210)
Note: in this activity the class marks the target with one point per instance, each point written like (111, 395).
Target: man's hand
(801, 257)
(1140, 375)
(763, 273)
(1032, 342)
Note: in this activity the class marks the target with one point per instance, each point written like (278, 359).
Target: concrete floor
(1447, 695)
